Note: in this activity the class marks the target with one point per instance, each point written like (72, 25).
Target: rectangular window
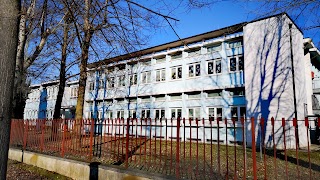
(74, 92)
(214, 93)
(111, 82)
(160, 113)
(194, 113)
(160, 75)
(176, 56)
(236, 91)
(146, 77)
(145, 99)
(120, 114)
(194, 52)
(145, 113)
(109, 114)
(238, 111)
(194, 70)
(243, 111)
(234, 112)
(101, 84)
(132, 114)
(194, 95)
(91, 86)
(161, 60)
(214, 66)
(133, 79)
(215, 113)
(121, 81)
(99, 114)
(236, 63)
(176, 113)
(176, 72)
(175, 97)
(214, 48)
(235, 44)
(160, 98)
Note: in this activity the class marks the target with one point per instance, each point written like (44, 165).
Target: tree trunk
(62, 79)
(84, 60)
(9, 11)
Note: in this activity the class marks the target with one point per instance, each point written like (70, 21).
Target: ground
(20, 171)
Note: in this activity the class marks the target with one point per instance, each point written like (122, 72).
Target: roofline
(196, 38)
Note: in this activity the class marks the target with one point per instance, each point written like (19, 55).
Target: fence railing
(183, 148)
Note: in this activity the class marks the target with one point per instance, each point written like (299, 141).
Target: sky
(216, 16)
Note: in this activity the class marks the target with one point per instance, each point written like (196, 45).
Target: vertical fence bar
(178, 150)
(197, 151)
(42, 136)
(235, 148)
(211, 157)
(285, 146)
(295, 124)
(127, 143)
(150, 144)
(161, 142)
(254, 157)
(171, 159)
(204, 147)
(25, 136)
(91, 139)
(306, 122)
(262, 124)
(227, 153)
(155, 141)
(190, 148)
(184, 141)
(166, 143)
(243, 147)
(63, 140)
(274, 150)
(218, 136)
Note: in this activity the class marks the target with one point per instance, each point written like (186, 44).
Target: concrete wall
(269, 84)
(76, 169)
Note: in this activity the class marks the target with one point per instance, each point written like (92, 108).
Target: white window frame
(175, 97)
(145, 111)
(237, 63)
(91, 86)
(133, 78)
(214, 66)
(146, 77)
(161, 112)
(238, 109)
(195, 111)
(214, 48)
(111, 82)
(74, 92)
(162, 75)
(120, 114)
(175, 72)
(121, 81)
(101, 84)
(215, 113)
(132, 113)
(194, 95)
(176, 111)
(194, 72)
(237, 43)
(108, 114)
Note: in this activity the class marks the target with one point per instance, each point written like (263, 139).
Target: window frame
(162, 76)
(175, 70)
(194, 67)
(215, 113)
(214, 66)
(237, 69)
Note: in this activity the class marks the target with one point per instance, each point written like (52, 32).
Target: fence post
(25, 136)
(127, 143)
(63, 139)
(254, 158)
(42, 135)
(91, 138)
(178, 150)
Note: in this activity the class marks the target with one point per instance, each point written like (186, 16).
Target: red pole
(285, 146)
(204, 147)
(178, 150)
(244, 152)
(127, 143)
(227, 153)
(197, 155)
(254, 157)
(25, 137)
(306, 122)
(91, 138)
(63, 140)
(295, 124)
(274, 149)
(219, 168)
(235, 148)
(263, 146)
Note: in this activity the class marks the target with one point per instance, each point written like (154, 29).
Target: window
(214, 93)
(175, 96)
(236, 91)
(74, 91)
(101, 84)
(145, 113)
(111, 82)
(214, 66)
(237, 112)
(160, 113)
(120, 114)
(109, 114)
(91, 86)
(193, 52)
(146, 62)
(89, 114)
(194, 113)
(176, 55)
(176, 113)
(160, 75)
(235, 44)
(214, 48)
(194, 70)
(160, 98)
(99, 115)
(176, 72)
(215, 113)
(145, 99)
(121, 81)
(161, 59)
(132, 114)
(194, 95)
(133, 79)
(236, 63)
(146, 77)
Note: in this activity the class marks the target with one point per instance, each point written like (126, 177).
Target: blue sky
(226, 13)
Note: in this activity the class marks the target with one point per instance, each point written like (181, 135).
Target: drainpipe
(293, 85)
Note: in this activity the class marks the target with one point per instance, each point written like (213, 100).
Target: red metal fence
(183, 148)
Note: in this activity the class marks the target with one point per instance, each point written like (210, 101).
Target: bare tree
(9, 11)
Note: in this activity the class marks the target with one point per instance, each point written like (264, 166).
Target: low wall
(77, 169)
